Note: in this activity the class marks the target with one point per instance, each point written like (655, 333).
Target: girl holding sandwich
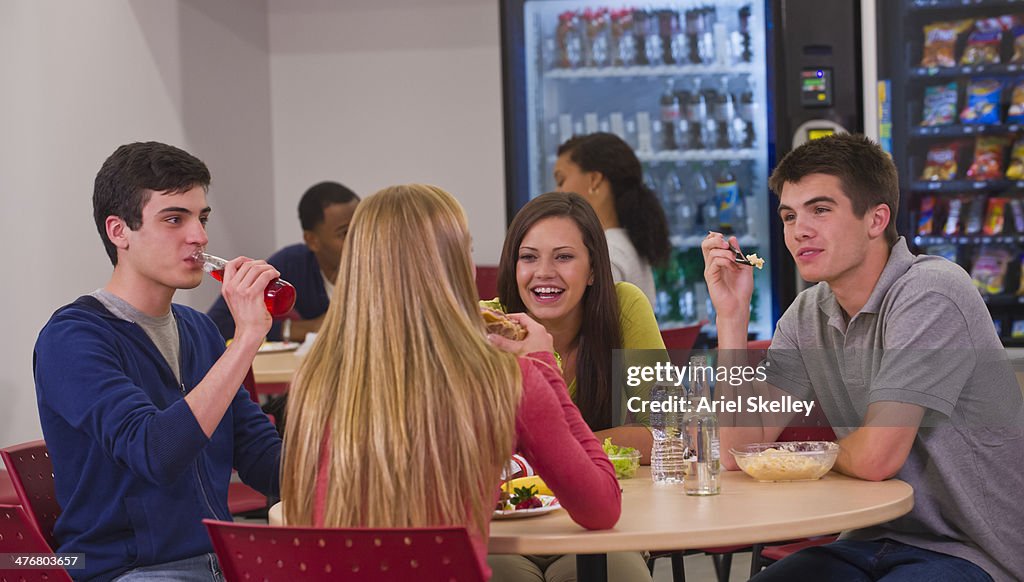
(555, 268)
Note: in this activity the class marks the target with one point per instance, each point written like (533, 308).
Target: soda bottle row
(603, 37)
(694, 118)
(698, 198)
(689, 118)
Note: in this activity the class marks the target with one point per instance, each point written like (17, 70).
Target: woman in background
(604, 170)
(554, 267)
(403, 413)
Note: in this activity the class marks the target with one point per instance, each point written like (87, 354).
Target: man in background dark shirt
(325, 212)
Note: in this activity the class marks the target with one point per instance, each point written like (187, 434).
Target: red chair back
(286, 554)
(8, 496)
(487, 281)
(32, 474)
(19, 536)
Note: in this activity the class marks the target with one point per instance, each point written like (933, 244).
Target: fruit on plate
(533, 480)
(520, 498)
(525, 498)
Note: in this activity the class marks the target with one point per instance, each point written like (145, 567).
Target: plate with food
(523, 501)
(270, 347)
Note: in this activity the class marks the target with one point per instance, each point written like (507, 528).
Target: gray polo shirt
(924, 337)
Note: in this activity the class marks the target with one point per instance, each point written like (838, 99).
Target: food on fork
(498, 323)
(755, 261)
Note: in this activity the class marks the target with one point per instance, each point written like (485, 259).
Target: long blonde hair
(420, 408)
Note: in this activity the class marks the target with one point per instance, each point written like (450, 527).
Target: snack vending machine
(700, 90)
(952, 76)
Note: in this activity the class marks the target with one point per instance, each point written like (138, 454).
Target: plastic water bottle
(702, 459)
(667, 463)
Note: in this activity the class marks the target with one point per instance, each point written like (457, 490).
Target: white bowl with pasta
(792, 461)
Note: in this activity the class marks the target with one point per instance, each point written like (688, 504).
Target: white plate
(269, 347)
(550, 504)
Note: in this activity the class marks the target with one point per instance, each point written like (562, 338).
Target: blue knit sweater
(134, 471)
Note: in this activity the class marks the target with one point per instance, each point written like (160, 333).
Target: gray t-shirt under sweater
(162, 330)
(924, 337)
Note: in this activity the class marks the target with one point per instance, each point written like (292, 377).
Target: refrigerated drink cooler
(691, 86)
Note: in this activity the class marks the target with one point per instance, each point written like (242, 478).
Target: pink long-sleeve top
(551, 434)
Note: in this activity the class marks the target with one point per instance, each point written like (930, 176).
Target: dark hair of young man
(320, 196)
(127, 177)
(866, 173)
(600, 332)
(636, 205)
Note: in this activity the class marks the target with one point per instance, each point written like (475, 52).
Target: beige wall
(81, 78)
(274, 97)
(379, 92)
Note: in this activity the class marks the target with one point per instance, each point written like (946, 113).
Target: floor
(699, 568)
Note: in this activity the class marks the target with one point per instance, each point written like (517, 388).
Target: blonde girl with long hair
(404, 413)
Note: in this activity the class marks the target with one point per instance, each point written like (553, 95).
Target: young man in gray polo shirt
(902, 356)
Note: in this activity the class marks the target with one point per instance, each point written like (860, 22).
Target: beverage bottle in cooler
(696, 114)
(570, 40)
(706, 37)
(668, 429)
(640, 35)
(727, 191)
(598, 37)
(748, 111)
(652, 39)
(725, 114)
(693, 32)
(745, 50)
(677, 44)
(669, 189)
(709, 212)
(703, 465)
(623, 46)
(712, 122)
(669, 117)
(669, 29)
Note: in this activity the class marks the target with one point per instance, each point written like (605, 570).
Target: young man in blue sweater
(139, 401)
(325, 211)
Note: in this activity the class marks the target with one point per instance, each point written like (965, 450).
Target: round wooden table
(275, 367)
(660, 517)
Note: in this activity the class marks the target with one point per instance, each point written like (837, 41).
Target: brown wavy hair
(600, 331)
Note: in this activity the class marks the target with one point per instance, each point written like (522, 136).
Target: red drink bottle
(279, 296)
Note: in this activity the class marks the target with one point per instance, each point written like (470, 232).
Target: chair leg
(755, 559)
(723, 566)
(678, 569)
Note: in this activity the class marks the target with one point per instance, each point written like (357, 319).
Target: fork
(740, 257)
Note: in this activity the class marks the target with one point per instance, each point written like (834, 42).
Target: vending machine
(951, 93)
(708, 94)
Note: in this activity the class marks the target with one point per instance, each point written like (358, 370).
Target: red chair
(679, 341)
(18, 535)
(8, 496)
(681, 338)
(32, 475)
(285, 554)
(487, 282)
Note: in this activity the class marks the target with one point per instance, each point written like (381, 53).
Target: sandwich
(498, 323)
